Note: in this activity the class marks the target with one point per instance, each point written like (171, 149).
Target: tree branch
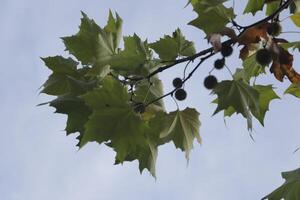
(184, 80)
(210, 50)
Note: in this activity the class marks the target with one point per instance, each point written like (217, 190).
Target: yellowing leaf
(294, 90)
(296, 19)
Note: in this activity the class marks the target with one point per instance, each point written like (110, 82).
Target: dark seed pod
(219, 63)
(274, 29)
(226, 50)
(139, 108)
(180, 94)
(210, 82)
(263, 57)
(177, 82)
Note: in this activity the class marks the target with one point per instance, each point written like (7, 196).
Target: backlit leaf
(136, 58)
(170, 47)
(266, 95)
(62, 68)
(252, 68)
(238, 95)
(182, 128)
(212, 16)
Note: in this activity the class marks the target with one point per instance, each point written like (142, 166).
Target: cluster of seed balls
(263, 57)
(210, 81)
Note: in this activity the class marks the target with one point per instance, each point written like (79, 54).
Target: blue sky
(39, 162)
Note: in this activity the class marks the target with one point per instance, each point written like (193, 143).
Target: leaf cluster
(94, 90)
(112, 94)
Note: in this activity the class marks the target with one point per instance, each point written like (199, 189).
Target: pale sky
(39, 162)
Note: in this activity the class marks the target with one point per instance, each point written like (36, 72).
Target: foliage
(290, 189)
(113, 95)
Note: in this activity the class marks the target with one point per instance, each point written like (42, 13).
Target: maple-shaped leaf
(293, 89)
(170, 47)
(147, 154)
(76, 110)
(212, 15)
(114, 123)
(290, 189)
(113, 30)
(182, 128)
(147, 93)
(136, 58)
(58, 81)
(70, 104)
(92, 43)
(296, 19)
(238, 95)
(252, 68)
(266, 95)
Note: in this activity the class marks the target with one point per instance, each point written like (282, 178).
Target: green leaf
(253, 6)
(296, 19)
(212, 16)
(93, 43)
(85, 43)
(136, 58)
(70, 104)
(294, 45)
(76, 110)
(62, 68)
(207, 2)
(182, 127)
(114, 123)
(252, 68)
(290, 189)
(238, 95)
(111, 94)
(170, 47)
(266, 95)
(114, 27)
(146, 93)
(294, 90)
(240, 74)
(272, 7)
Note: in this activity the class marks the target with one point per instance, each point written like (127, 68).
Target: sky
(37, 160)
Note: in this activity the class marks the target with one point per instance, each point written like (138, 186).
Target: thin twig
(210, 50)
(183, 81)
